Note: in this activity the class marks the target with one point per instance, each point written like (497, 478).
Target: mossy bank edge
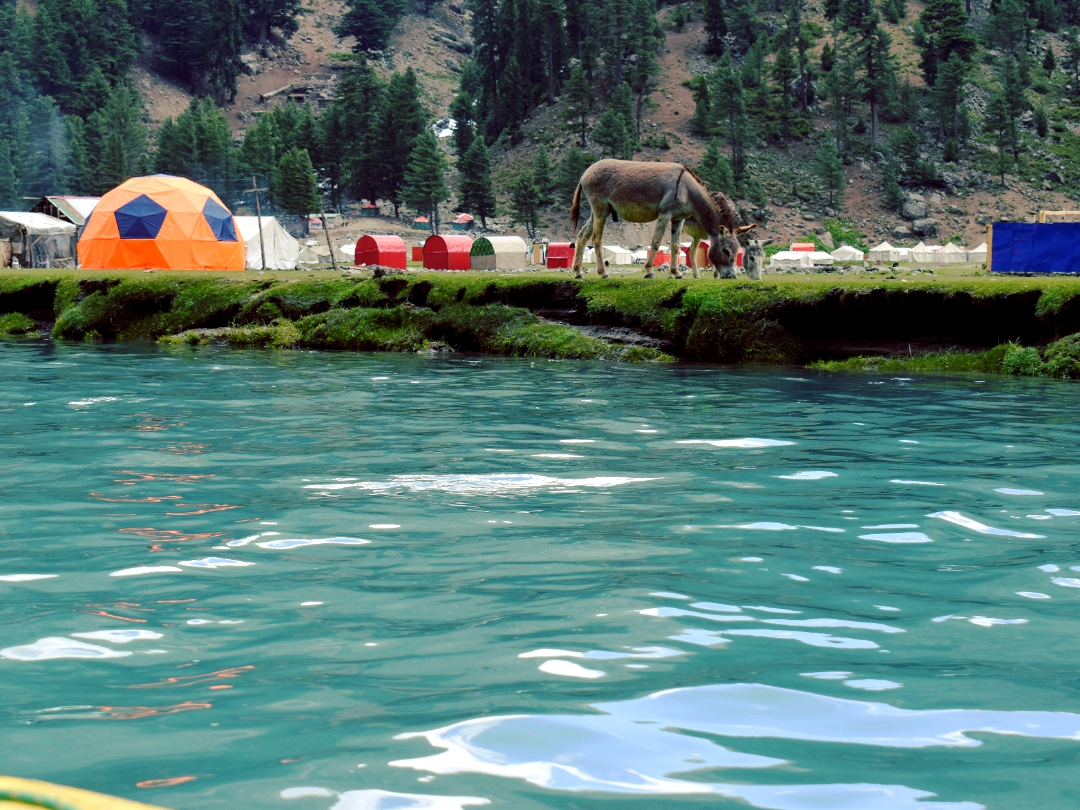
(1012, 325)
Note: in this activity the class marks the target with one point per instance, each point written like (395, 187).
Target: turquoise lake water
(251, 579)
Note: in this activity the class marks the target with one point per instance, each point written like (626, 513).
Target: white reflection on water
(300, 543)
(141, 570)
(809, 475)
(477, 484)
(214, 562)
(388, 800)
(982, 528)
(569, 669)
(898, 537)
(26, 577)
(602, 655)
(57, 647)
(119, 636)
(636, 746)
(745, 444)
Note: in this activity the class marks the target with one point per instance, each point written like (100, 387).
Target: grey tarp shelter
(38, 240)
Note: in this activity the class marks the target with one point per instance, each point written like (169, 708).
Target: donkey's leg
(658, 235)
(599, 221)
(579, 246)
(676, 253)
(694, 242)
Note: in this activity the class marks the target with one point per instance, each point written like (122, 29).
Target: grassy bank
(1013, 325)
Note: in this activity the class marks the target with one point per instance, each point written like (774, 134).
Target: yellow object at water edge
(20, 794)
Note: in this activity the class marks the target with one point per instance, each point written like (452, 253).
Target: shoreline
(988, 324)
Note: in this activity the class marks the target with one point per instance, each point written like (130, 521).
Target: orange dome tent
(161, 222)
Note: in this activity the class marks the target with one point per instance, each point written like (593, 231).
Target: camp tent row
(446, 252)
(928, 254)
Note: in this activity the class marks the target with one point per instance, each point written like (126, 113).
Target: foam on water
(1063, 512)
(873, 684)
(809, 475)
(602, 655)
(1011, 491)
(25, 577)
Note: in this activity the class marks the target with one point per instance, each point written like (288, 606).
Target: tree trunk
(435, 219)
(550, 65)
(873, 122)
(640, 106)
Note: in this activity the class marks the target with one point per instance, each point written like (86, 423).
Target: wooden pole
(258, 213)
(989, 246)
(326, 231)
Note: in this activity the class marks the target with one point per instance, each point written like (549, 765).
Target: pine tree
(753, 66)
(867, 49)
(544, 176)
(579, 100)
(1042, 121)
(358, 112)
(1010, 28)
(401, 121)
(702, 122)
(476, 192)
(611, 135)
(571, 167)
(830, 170)
(331, 138)
(894, 196)
(828, 58)
(260, 16)
(947, 95)
(715, 169)
(198, 145)
(729, 109)
(783, 73)
(1049, 63)
(425, 177)
(9, 196)
(370, 23)
(841, 85)
(200, 44)
(997, 121)
(463, 113)
(715, 27)
(295, 189)
(525, 203)
(928, 62)
(643, 71)
(1016, 102)
(946, 25)
(116, 141)
(1072, 59)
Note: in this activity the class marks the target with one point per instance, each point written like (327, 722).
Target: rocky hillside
(968, 196)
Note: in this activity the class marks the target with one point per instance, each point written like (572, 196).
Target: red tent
(447, 252)
(803, 246)
(418, 252)
(388, 250)
(560, 254)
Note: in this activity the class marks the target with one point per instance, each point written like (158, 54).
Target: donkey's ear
(745, 228)
(768, 242)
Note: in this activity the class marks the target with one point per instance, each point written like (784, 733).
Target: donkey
(646, 192)
(728, 245)
(754, 259)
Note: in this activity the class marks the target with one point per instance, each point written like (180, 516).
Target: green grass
(15, 323)
(703, 320)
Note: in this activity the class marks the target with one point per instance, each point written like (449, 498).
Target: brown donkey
(647, 192)
(728, 246)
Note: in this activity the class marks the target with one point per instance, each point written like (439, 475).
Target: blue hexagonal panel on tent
(220, 221)
(140, 219)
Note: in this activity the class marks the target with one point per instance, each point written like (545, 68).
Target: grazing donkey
(728, 245)
(647, 192)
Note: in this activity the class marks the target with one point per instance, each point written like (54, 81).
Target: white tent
(791, 258)
(819, 258)
(589, 256)
(882, 253)
(846, 253)
(952, 253)
(613, 254)
(640, 256)
(978, 254)
(900, 254)
(922, 254)
(282, 251)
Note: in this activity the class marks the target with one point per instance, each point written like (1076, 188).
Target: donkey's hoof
(649, 274)
(716, 274)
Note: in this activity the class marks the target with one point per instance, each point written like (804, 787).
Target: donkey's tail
(575, 209)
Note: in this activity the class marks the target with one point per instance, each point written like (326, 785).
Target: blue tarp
(1036, 247)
